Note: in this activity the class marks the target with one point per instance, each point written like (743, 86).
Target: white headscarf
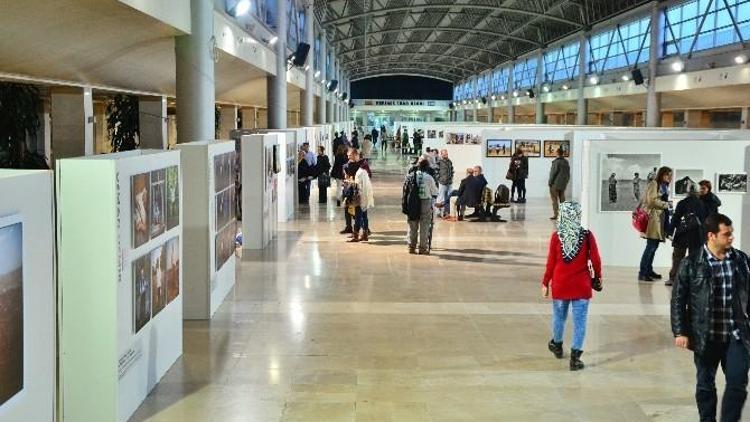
(569, 230)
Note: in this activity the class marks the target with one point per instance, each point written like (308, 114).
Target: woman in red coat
(570, 249)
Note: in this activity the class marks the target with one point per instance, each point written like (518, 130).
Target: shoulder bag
(596, 282)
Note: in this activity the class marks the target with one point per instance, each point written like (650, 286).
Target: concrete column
(309, 94)
(490, 113)
(153, 122)
(539, 105)
(475, 113)
(582, 105)
(744, 124)
(72, 115)
(228, 121)
(653, 98)
(511, 87)
(322, 117)
(195, 76)
(277, 95)
(335, 93)
(44, 134)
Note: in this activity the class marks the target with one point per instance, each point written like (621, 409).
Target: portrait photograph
(141, 291)
(551, 148)
(497, 148)
(158, 203)
(623, 179)
(731, 182)
(173, 197)
(441, 134)
(158, 280)
(682, 178)
(140, 208)
(173, 269)
(530, 147)
(11, 308)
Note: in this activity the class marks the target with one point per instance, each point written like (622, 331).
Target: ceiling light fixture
(678, 65)
(317, 73)
(565, 87)
(625, 77)
(515, 94)
(740, 59)
(545, 88)
(273, 40)
(594, 80)
(242, 7)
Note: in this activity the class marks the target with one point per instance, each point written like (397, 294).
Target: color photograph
(173, 269)
(530, 147)
(140, 208)
(223, 171)
(224, 208)
(455, 138)
(731, 183)
(551, 147)
(683, 177)
(499, 148)
(11, 308)
(158, 203)
(141, 291)
(158, 280)
(224, 245)
(623, 180)
(173, 197)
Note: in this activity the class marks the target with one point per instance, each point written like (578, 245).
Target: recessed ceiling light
(678, 65)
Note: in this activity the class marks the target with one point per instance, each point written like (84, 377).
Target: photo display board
(225, 209)
(11, 308)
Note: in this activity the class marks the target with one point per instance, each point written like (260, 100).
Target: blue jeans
(360, 220)
(733, 358)
(647, 259)
(560, 314)
(444, 196)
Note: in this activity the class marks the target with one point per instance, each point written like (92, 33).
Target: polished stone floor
(321, 330)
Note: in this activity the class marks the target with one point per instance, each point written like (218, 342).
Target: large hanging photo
(623, 179)
(530, 147)
(11, 308)
(497, 148)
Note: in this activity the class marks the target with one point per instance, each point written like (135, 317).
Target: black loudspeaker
(300, 56)
(484, 100)
(332, 85)
(637, 76)
(351, 105)
(451, 105)
(530, 93)
(344, 96)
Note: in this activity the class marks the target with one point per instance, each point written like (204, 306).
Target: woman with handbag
(518, 172)
(687, 233)
(337, 171)
(656, 204)
(322, 169)
(574, 268)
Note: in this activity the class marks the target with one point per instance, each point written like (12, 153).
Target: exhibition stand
(27, 297)
(210, 170)
(259, 188)
(120, 311)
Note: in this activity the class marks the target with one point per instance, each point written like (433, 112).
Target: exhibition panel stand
(27, 296)
(119, 237)
(211, 225)
(259, 189)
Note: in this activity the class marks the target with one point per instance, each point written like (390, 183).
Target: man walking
(419, 219)
(559, 176)
(709, 317)
(445, 182)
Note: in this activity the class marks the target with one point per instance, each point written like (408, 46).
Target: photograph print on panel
(731, 182)
(497, 148)
(530, 147)
(173, 269)
(158, 203)
(683, 177)
(623, 179)
(551, 147)
(173, 197)
(141, 291)
(11, 308)
(158, 280)
(140, 208)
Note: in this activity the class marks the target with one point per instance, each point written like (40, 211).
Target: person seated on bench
(471, 195)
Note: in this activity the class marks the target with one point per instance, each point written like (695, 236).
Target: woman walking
(337, 171)
(518, 172)
(322, 168)
(656, 204)
(687, 228)
(305, 174)
(569, 278)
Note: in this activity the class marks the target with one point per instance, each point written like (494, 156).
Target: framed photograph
(173, 269)
(223, 170)
(140, 213)
(224, 245)
(431, 134)
(141, 291)
(470, 139)
(499, 148)
(158, 280)
(731, 182)
(158, 203)
(455, 138)
(551, 147)
(682, 177)
(530, 147)
(224, 208)
(441, 134)
(276, 159)
(11, 307)
(623, 179)
(173, 197)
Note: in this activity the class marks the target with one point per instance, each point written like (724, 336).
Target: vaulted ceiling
(451, 39)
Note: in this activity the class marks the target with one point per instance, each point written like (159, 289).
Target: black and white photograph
(731, 182)
(11, 308)
(224, 245)
(141, 291)
(683, 177)
(173, 197)
(431, 134)
(158, 203)
(225, 205)
(158, 280)
(623, 180)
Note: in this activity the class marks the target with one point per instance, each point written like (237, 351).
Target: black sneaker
(346, 230)
(655, 276)
(669, 282)
(645, 278)
(556, 348)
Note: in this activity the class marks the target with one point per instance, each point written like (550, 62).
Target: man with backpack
(419, 192)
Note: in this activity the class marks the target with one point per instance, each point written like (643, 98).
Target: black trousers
(678, 252)
(322, 195)
(733, 357)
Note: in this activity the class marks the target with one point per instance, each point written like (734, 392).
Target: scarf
(569, 230)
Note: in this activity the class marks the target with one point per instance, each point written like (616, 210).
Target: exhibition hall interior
(374, 210)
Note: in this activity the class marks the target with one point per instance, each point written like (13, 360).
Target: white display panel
(259, 190)
(119, 237)
(209, 171)
(27, 296)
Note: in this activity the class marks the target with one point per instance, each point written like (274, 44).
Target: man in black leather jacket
(709, 317)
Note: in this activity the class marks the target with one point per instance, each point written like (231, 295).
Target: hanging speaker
(637, 76)
(484, 100)
(300, 55)
(530, 93)
(332, 85)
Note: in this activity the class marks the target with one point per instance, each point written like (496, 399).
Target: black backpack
(411, 205)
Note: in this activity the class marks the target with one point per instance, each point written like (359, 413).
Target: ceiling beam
(427, 44)
(441, 29)
(344, 63)
(405, 73)
(404, 70)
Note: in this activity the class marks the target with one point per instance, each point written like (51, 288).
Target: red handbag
(640, 220)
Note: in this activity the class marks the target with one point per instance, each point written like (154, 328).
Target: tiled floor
(321, 330)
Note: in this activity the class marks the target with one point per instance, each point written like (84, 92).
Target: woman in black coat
(324, 178)
(305, 173)
(710, 200)
(687, 228)
(337, 171)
